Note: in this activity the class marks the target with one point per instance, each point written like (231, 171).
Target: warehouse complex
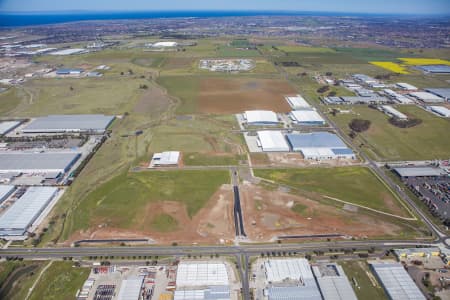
(319, 146)
(396, 281)
(165, 159)
(16, 220)
(260, 117)
(69, 123)
(272, 141)
(307, 117)
(27, 162)
(426, 97)
(333, 282)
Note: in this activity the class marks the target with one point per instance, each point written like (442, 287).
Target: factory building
(406, 86)
(261, 117)
(209, 293)
(307, 117)
(435, 69)
(426, 97)
(396, 281)
(164, 44)
(25, 162)
(21, 215)
(320, 146)
(390, 111)
(290, 279)
(406, 172)
(5, 192)
(397, 97)
(443, 93)
(69, 51)
(417, 252)
(69, 123)
(8, 126)
(333, 282)
(69, 71)
(165, 159)
(131, 288)
(440, 110)
(272, 141)
(297, 102)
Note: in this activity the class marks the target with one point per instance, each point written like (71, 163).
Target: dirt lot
(227, 96)
(268, 214)
(211, 224)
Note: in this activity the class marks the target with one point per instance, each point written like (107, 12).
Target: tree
(328, 73)
(323, 89)
(359, 125)
(332, 94)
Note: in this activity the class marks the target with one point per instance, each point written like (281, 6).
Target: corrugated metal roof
(261, 116)
(294, 293)
(201, 274)
(278, 270)
(297, 102)
(307, 116)
(435, 68)
(34, 162)
(442, 110)
(272, 141)
(24, 211)
(315, 140)
(396, 281)
(427, 97)
(5, 191)
(131, 288)
(62, 123)
(392, 111)
(441, 92)
(7, 126)
(209, 293)
(333, 282)
(419, 171)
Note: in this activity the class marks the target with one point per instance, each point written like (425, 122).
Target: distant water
(30, 19)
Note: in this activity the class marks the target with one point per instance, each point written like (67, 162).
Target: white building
(307, 117)
(440, 110)
(261, 117)
(272, 141)
(297, 102)
(168, 158)
(397, 97)
(199, 274)
(391, 111)
(7, 126)
(406, 86)
(165, 44)
(426, 97)
(131, 288)
(333, 282)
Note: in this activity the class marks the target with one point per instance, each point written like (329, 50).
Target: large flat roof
(435, 68)
(37, 162)
(427, 97)
(419, 171)
(17, 219)
(69, 123)
(7, 126)
(333, 282)
(315, 140)
(441, 92)
(131, 288)
(442, 110)
(5, 191)
(297, 102)
(201, 274)
(307, 116)
(261, 116)
(272, 141)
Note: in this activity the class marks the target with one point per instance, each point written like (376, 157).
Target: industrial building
(297, 102)
(417, 252)
(333, 282)
(21, 215)
(406, 86)
(165, 159)
(272, 141)
(8, 126)
(261, 117)
(166, 44)
(365, 79)
(69, 123)
(290, 279)
(397, 97)
(320, 146)
(131, 288)
(426, 97)
(391, 111)
(69, 51)
(195, 274)
(210, 293)
(435, 69)
(396, 281)
(440, 110)
(69, 71)
(406, 172)
(442, 92)
(364, 100)
(27, 162)
(307, 117)
(5, 192)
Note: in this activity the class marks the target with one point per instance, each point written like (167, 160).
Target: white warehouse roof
(5, 192)
(69, 123)
(164, 44)
(427, 97)
(273, 141)
(441, 110)
(396, 281)
(406, 86)
(307, 117)
(201, 274)
(7, 126)
(37, 162)
(393, 112)
(168, 158)
(278, 270)
(216, 292)
(131, 288)
(261, 117)
(333, 282)
(297, 102)
(22, 214)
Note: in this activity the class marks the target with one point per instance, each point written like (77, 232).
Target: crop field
(9, 100)
(384, 141)
(390, 66)
(425, 61)
(138, 203)
(225, 95)
(356, 185)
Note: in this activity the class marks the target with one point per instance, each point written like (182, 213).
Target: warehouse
(397, 97)
(165, 159)
(272, 141)
(69, 71)
(307, 117)
(364, 100)
(24, 162)
(164, 44)
(21, 215)
(69, 123)
(390, 111)
(435, 69)
(443, 93)
(320, 146)
(406, 86)
(261, 117)
(406, 172)
(218, 292)
(426, 97)
(440, 110)
(131, 288)
(396, 281)
(201, 274)
(333, 282)
(297, 102)
(5, 192)
(7, 126)
(69, 51)
(290, 279)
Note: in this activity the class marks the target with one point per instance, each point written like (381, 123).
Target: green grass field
(16, 285)
(185, 88)
(121, 202)
(226, 51)
(9, 100)
(164, 223)
(387, 142)
(204, 159)
(366, 290)
(352, 184)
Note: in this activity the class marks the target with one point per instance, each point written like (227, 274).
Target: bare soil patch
(228, 96)
(153, 102)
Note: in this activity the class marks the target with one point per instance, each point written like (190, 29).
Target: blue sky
(367, 6)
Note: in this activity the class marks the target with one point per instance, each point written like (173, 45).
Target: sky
(360, 6)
